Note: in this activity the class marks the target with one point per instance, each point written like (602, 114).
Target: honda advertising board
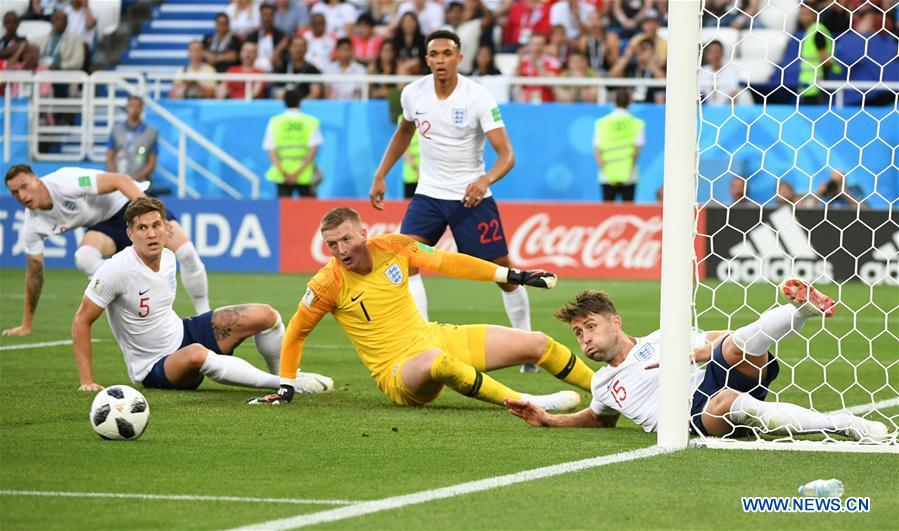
(229, 235)
(833, 244)
(574, 240)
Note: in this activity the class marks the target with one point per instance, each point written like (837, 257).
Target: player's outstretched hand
(530, 413)
(95, 387)
(20, 330)
(535, 279)
(376, 194)
(282, 396)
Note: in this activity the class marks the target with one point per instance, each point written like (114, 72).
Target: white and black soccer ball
(119, 412)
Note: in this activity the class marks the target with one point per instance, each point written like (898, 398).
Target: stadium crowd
(545, 38)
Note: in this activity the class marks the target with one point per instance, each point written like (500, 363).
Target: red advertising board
(575, 240)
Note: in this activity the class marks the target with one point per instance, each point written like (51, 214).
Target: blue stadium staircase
(161, 45)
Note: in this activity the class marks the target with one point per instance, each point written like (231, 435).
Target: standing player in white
(161, 350)
(70, 198)
(729, 392)
(453, 115)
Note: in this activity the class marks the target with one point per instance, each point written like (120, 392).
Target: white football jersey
(138, 303)
(632, 390)
(451, 134)
(76, 203)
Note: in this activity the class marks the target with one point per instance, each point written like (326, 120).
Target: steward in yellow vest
(816, 57)
(617, 141)
(292, 140)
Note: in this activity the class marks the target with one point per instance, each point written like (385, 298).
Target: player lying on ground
(71, 198)
(365, 287)
(729, 392)
(137, 286)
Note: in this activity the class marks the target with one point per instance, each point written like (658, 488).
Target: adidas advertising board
(832, 245)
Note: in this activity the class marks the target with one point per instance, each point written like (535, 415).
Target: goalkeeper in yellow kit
(364, 287)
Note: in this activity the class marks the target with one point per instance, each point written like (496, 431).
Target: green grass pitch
(353, 445)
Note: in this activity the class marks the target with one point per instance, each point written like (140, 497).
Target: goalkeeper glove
(535, 279)
(282, 396)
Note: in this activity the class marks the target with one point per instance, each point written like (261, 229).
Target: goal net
(798, 176)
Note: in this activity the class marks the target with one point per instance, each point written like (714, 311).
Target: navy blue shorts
(197, 329)
(114, 227)
(478, 231)
(718, 375)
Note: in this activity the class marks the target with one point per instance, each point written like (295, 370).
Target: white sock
(193, 276)
(268, 343)
(88, 259)
(776, 324)
(417, 288)
(778, 417)
(236, 371)
(518, 308)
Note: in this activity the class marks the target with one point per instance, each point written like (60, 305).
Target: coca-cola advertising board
(575, 240)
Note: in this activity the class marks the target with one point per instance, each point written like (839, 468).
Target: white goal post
(677, 221)
(789, 172)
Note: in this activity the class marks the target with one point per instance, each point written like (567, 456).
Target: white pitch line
(327, 346)
(396, 502)
(172, 497)
(864, 408)
(42, 344)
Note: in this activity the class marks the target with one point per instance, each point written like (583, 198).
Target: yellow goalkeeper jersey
(375, 310)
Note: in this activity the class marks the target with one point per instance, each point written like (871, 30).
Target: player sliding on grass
(365, 287)
(729, 392)
(70, 198)
(137, 286)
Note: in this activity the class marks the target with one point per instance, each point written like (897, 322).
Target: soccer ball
(119, 412)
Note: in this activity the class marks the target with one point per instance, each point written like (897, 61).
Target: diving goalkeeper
(365, 287)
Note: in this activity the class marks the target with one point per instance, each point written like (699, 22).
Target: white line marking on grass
(396, 502)
(42, 344)
(864, 408)
(172, 497)
(330, 346)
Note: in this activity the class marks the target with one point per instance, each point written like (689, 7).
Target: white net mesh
(798, 177)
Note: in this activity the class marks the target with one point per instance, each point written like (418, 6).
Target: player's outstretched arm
(34, 283)
(537, 416)
(87, 313)
(398, 145)
(310, 311)
(111, 182)
(458, 265)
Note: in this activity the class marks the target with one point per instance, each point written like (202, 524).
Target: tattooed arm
(34, 283)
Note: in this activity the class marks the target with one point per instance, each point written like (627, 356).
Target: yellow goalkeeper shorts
(466, 343)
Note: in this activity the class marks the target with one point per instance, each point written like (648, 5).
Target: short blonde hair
(336, 216)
